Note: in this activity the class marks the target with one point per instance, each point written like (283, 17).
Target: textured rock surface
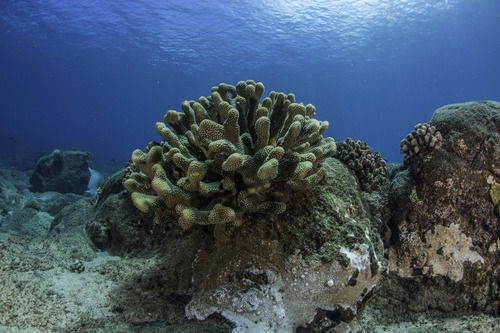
(63, 172)
(26, 213)
(444, 227)
(276, 273)
(323, 252)
(445, 251)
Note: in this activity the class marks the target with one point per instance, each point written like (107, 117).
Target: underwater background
(194, 240)
(97, 75)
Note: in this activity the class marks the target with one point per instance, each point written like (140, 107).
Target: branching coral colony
(227, 155)
(421, 142)
(370, 168)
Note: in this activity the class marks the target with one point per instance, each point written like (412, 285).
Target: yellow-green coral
(414, 196)
(227, 155)
(495, 193)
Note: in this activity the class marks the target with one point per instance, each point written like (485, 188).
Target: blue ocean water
(98, 74)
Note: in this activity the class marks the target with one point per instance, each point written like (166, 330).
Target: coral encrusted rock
(370, 168)
(311, 269)
(445, 225)
(227, 155)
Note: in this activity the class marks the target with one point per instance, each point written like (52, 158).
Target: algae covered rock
(319, 260)
(229, 154)
(444, 226)
(316, 265)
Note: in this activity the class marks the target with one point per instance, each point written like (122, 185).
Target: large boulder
(62, 171)
(444, 242)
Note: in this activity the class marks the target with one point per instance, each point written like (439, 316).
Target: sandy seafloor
(56, 280)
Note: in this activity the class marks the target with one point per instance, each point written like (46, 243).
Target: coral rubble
(227, 155)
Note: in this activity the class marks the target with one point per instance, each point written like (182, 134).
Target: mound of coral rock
(321, 259)
(245, 168)
(443, 242)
